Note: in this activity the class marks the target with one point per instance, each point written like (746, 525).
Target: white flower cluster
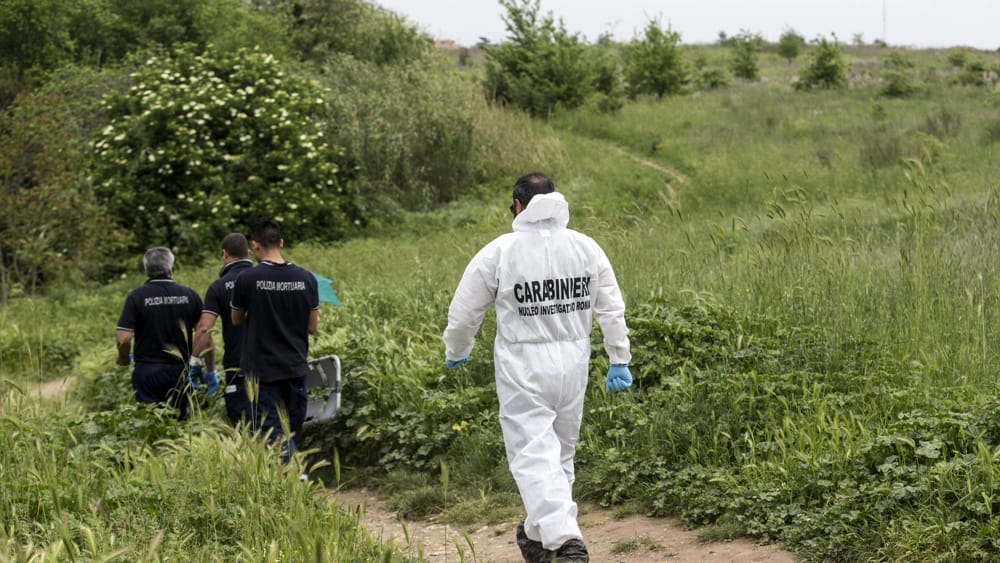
(201, 137)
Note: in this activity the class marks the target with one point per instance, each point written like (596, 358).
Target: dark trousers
(161, 384)
(237, 400)
(273, 398)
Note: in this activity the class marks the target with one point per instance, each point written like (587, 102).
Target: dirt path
(668, 173)
(634, 539)
(53, 389)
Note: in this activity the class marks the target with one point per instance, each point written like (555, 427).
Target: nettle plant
(201, 145)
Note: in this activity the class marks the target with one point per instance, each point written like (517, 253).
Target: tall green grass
(208, 495)
(787, 208)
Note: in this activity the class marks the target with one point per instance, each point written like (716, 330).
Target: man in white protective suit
(548, 284)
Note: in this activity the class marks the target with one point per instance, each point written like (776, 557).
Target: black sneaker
(532, 550)
(573, 551)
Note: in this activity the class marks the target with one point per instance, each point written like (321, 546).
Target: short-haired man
(160, 315)
(548, 284)
(235, 260)
(278, 302)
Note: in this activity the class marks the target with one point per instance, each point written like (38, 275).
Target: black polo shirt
(278, 300)
(217, 303)
(162, 314)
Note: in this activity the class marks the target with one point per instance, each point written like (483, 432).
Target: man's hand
(123, 361)
(619, 378)
(211, 380)
(195, 371)
(452, 364)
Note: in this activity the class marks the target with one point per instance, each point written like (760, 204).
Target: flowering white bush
(200, 146)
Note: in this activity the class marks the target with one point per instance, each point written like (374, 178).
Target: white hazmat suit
(548, 284)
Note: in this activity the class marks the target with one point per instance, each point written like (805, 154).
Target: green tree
(322, 28)
(609, 81)
(38, 36)
(34, 39)
(958, 58)
(201, 145)
(226, 24)
(898, 72)
(52, 228)
(827, 67)
(654, 63)
(407, 131)
(541, 66)
(790, 44)
(746, 51)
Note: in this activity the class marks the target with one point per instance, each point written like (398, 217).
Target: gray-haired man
(161, 316)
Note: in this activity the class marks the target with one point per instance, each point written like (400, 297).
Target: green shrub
(35, 38)
(827, 67)
(201, 145)
(654, 64)
(958, 58)
(54, 230)
(711, 78)
(899, 76)
(977, 73)
(746, 48)
(407, 132)
(38, 37)
(609, 82)
(789, 44)
(540, 66)
(320, 29)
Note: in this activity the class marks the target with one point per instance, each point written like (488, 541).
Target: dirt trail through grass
(671, 175)
(632, 539)
(53, 389)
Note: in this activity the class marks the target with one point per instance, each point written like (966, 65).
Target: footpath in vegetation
(610, 538)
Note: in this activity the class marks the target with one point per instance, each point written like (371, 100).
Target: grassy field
(812, 288)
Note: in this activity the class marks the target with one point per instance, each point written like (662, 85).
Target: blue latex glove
(195, 376)
(211, 379)
(619, 378)
(452, 364)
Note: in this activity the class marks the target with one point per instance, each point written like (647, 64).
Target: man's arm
(204, 347)
(609, 312)
(313, 321)
(238, 316)
(475, 293)
(123, 341)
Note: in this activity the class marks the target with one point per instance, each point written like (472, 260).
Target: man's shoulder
(577, 235)
(287, 270)
(230, 276)
(183, 289)
(248, 273)
(302, 272)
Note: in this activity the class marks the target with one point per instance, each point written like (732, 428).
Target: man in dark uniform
(235, 260)
(161, 315)
(278, 302)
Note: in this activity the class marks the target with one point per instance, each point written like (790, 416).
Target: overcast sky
(918, 23)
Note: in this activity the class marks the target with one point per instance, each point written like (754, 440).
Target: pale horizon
(910, 23)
